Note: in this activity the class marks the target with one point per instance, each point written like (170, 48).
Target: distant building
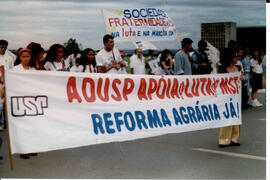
(218, 34)
(253, 37)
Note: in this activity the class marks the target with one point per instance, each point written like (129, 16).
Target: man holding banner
(109, 59)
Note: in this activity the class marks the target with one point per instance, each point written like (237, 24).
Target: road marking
(247, 156)
(262, 119)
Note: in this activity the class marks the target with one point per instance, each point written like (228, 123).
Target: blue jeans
(163, 72)
(246, 74)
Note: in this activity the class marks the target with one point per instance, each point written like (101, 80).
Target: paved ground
(192, 155)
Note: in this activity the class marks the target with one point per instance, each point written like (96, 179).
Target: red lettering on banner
(174, 91)
(142, 90)
(181, 89)
(105, 89)
(92, 97)
(141, 22)
(186, 89)
(195, 87)
(128, 33)
(130, 20)
(168, 89)
(161, 96)
(127, 90)
(203, 80)
(214, 87)
(124, 22)
(137, 23)
(116, 21)
(208, 87)
(72, 92)
(224, 86)
(233, 89)
(152, 87)
(154, 21)
(236, 78)
(110, 21)
(114, 87)
(145, 22)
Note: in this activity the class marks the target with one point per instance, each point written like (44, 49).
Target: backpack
(202, 58)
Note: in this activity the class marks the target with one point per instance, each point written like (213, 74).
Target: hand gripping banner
(57, 110)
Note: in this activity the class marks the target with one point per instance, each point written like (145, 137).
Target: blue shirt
(246, 64)
(182, 63)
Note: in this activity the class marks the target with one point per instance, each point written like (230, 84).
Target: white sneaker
(256, 103)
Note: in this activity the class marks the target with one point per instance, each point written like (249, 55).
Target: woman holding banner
(24, 62)
(55, 59)
(88, 61)
(228, 136)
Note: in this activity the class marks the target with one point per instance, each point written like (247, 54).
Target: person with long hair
(166, 62)
(37, 55)
(256, 82)
(228, 136)
(88, 61)
(54, 59)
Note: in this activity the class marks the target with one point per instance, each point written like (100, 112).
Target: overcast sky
(55, 21)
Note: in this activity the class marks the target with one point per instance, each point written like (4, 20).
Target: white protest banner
(144, 45)
(57, 110)
(140, 24)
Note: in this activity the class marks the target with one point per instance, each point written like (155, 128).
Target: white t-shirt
(240, 64)
(11, 54)
(105, 58)
(256, 67)
(137, 64)
(89, 69)
(76, 69)
(19, 67)
(7, 61)
(56, 66)
(72, 60)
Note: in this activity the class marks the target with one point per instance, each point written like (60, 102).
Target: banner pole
(2, 69)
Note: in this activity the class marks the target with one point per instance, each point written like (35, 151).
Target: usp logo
(28, 105)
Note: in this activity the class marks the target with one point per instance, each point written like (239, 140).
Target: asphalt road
(191, 155)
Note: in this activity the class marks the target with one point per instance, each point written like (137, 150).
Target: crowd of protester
(186, 61)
